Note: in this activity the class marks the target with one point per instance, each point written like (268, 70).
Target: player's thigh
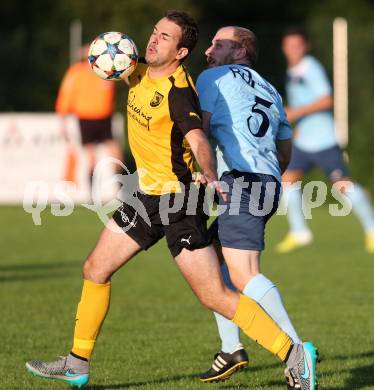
(112, 250)
(201, 270)
(190, 244)
(125, 235)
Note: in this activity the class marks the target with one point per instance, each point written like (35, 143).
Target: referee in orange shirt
(91, 100)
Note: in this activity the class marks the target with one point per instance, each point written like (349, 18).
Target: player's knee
(209, 300)
(219, 300)
(88, 268)
(343, 185)
(240, 280)
(93, 272)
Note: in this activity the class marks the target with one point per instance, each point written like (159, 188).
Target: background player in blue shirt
(250, 134)
(309, 99)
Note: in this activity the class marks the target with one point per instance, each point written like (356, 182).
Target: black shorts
(142, 218)
(95, 131)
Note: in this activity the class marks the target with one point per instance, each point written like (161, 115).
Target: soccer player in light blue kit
(315, 144)
(249, 131)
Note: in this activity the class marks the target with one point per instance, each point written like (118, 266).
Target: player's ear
(181, 53)
(240, 53)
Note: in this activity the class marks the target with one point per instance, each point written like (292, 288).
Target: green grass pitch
(157, 336)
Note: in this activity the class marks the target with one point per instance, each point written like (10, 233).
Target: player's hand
(211, 181)
(292, 114)
(218, 188)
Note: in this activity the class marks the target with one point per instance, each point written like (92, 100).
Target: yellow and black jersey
(160, 113)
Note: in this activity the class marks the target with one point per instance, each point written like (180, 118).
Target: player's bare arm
(322, 104)
(203, 153)
(204, 156)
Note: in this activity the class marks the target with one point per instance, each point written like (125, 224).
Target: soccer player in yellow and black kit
(165, 131)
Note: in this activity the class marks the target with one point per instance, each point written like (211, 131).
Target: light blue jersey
(307, 82)
(247, 118)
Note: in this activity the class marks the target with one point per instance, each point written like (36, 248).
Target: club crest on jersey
(157, 99)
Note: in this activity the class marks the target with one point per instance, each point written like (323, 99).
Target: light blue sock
(228, 331)
(292, 198)
(265, 293)
(361, 207)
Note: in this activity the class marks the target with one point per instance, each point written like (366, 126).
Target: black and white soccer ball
(113, 55)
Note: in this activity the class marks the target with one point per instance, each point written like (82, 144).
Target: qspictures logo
(261, 203)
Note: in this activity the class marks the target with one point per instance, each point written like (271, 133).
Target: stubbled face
(162, 44)
(223, 48)
(294, 48)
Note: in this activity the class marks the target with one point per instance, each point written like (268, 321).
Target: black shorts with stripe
(148, 218)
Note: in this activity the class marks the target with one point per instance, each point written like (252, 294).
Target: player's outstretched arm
(321, 104)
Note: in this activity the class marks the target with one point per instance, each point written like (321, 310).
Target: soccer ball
(113, 56)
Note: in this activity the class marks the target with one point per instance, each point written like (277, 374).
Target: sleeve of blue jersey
(207, 90)
(284, 130)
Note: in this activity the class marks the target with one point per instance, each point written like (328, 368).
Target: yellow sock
(260, 327)
(91, 312)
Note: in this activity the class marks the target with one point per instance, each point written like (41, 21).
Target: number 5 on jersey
(261, 131)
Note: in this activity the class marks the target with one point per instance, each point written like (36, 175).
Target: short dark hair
(296, 30)
(247, 39)
(190, 31)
